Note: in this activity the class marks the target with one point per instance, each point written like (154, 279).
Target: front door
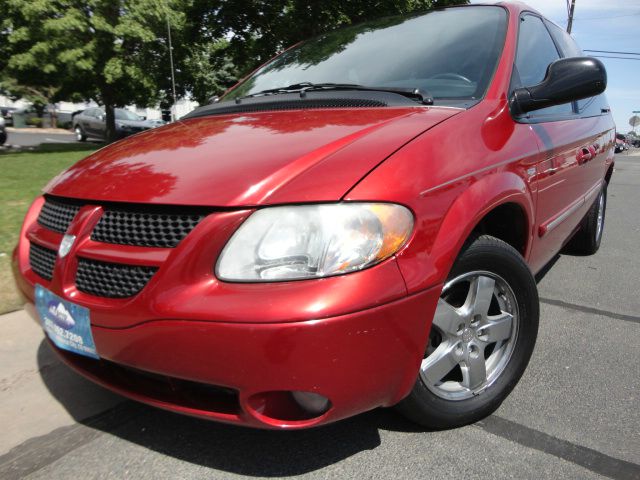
(567, 144)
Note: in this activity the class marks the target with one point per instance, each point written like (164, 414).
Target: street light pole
(173, 77)
(571, 10)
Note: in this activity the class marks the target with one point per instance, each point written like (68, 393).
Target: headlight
(313, 241)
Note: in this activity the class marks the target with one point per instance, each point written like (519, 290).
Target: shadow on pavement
(543, 272)
(68, 147)
(229, 448)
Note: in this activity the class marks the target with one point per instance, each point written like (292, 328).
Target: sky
(612, 25)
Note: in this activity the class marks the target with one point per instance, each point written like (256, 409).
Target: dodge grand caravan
(357, 224)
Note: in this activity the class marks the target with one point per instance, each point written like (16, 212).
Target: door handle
(584, 155)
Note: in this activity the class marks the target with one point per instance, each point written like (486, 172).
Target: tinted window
(122, 114)
(451, 53)
(568, 46)
(536, 51)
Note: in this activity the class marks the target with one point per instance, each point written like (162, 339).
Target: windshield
(125, 115)
(450, 53)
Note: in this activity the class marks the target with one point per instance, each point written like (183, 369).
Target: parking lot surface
(575, 413)
(34, 137)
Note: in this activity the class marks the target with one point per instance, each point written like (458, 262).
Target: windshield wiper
(416, 94)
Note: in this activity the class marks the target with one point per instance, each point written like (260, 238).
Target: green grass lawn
(22, 176)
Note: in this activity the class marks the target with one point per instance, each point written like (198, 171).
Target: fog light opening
(288, 406)
(314, 403)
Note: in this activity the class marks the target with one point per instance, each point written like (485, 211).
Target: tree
(116, 51)
(208, 70)
(112, 51)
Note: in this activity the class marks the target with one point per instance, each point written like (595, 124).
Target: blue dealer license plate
(65, 323)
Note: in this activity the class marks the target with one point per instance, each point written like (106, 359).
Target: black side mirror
(567, 80)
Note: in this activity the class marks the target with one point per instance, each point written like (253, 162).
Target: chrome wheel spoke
(447, 318)
(480, 295)
(439, 363)
(474, 370)
(496, 328)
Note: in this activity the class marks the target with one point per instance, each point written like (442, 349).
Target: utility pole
(571, 10)
(173, 77)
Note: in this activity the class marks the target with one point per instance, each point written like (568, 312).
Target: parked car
(157, 122)
(91, 123)
(356, 225)
(32, 116)
(3, 131)
(621, 143)
(7, 114)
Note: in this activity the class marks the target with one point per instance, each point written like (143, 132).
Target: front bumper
(243, 373)
(236, 352)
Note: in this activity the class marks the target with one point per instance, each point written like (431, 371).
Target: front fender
(451, 177)
(471, 207)
(447, 214)
(474, 201)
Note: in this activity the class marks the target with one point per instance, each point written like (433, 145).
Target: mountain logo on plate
(61, 315)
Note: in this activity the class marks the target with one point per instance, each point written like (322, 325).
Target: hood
(247, 159)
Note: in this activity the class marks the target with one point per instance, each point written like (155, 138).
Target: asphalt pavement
(575, 413)
(33, 137)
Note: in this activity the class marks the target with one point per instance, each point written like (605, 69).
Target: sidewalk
(34, 385)
(38, 130)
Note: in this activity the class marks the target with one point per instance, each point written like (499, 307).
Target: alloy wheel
(473, 336)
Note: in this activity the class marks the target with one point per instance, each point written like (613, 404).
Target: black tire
(587, 240)
(3, 137)
(489, 255)
(80, 135)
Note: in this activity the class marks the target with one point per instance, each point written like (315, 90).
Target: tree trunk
(54, 116)
(109, 109)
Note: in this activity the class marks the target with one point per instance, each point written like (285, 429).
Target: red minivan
(357, 224)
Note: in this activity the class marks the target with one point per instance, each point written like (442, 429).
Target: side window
(567, 44)
(535, 52)
(589, 106)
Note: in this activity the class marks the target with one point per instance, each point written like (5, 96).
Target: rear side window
(589, 106)
(535, 52)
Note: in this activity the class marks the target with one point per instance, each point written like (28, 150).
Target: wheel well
(607, 177)
(508, 222)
